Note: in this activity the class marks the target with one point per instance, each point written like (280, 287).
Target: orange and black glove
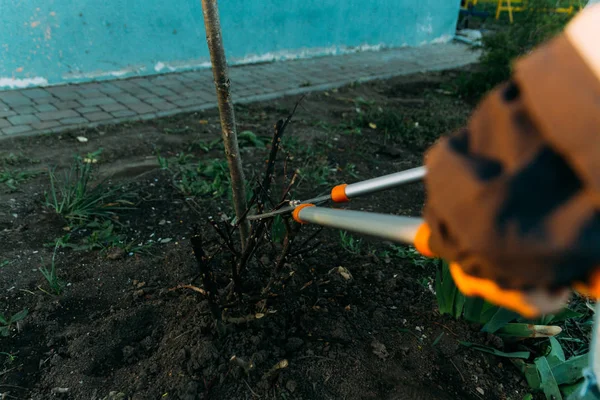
(513, 200)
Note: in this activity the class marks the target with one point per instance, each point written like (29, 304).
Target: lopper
(407, 230)
(414, 231)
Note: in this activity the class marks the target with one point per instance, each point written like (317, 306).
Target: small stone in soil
(294, 343)
(379, 349)
(291, 386)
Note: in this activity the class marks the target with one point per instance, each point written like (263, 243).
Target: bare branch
(226, 238)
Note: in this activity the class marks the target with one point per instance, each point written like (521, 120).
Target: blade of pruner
(290, 209)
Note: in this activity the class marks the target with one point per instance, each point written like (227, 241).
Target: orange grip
(338, 193)
(296, 213)
(511, 299)
(421, 241)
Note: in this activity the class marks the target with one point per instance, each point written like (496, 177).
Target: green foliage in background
(532, 27)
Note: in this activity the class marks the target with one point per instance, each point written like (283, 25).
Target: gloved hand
(513, 200)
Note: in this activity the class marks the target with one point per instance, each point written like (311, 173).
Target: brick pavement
(61, 108)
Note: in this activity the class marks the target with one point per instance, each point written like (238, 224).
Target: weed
(4, 263)
(249, 139)
(54, 282)
(135, 248)
(12, 178)
(6, 323)
(207, 146)
(349, 243)
(317, 174)
(208, 178)
(183, 158)
(350, 169)
(13, 159)
(102, 236)
(409, 254)
(291, 144)
(10, 358)
(77, 200)
(162, 161)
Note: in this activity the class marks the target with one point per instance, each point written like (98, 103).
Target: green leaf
(572, 391)
(529, 371)
(532, 376)
(445, 289)
(528, 396)
(571, 370)
(563, 315)
(459, 302)
(556, 355)
(549, 384)
(491, 350)
(3, 320)
(4, 331)
(19, 316)
(473, 309)
(500, 319)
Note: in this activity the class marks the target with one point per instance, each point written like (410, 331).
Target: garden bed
(122, 326)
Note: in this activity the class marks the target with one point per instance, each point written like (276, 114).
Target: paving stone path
(66, 107)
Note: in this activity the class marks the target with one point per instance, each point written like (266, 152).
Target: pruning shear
(344, 192)
(413, 230)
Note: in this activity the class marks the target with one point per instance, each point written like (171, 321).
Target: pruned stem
(207, 277)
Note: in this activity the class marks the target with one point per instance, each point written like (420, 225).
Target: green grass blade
(491, 350)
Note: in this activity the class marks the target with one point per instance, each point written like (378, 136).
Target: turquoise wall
(45, 42)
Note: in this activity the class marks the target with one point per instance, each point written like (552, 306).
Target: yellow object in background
(512, 6)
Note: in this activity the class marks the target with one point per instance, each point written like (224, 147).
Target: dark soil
(121, 331)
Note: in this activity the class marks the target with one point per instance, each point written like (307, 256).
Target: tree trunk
(214, 39)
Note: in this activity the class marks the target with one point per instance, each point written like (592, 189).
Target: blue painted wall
(58, 41)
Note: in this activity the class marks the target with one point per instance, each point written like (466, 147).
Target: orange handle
(338, 193)
(296, 213)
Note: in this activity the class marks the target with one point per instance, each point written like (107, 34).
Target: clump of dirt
(124, 328)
